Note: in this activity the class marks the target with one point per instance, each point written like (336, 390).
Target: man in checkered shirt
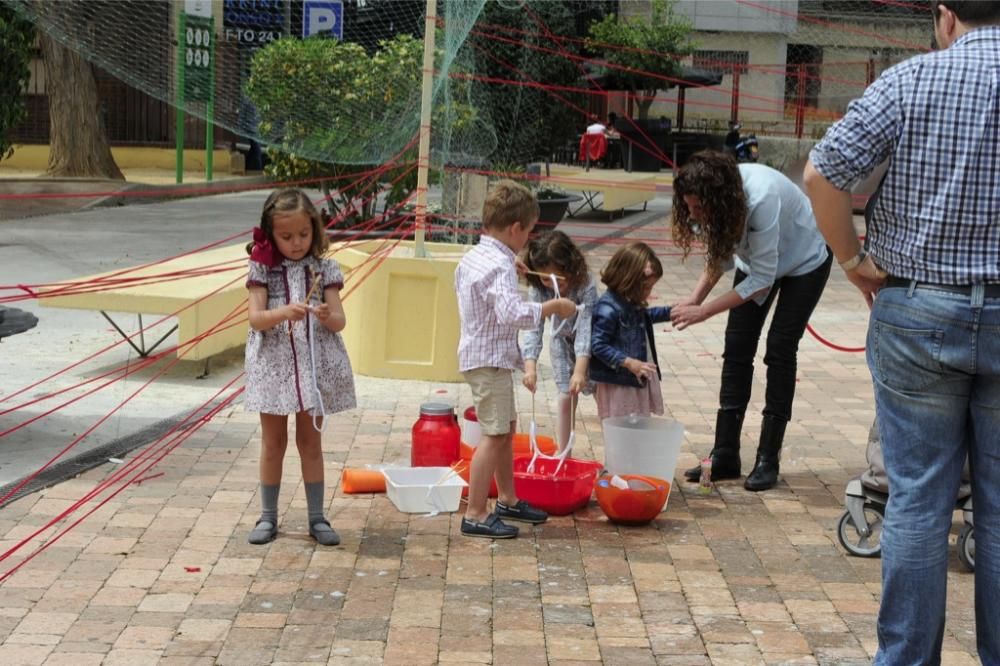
(931, 275)
(492, 311)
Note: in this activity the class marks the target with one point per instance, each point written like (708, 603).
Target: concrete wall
(761, 92)
(36, 158)
(737, 17)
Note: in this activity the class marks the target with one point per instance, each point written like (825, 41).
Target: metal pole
(179, 108)
(210, 108)
(734, 108)
(681, 94)
(800, 102)
(424, 150)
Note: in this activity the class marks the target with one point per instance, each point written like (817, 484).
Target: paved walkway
(161, 573)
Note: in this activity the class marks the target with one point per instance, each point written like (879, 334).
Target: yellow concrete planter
(402, 313)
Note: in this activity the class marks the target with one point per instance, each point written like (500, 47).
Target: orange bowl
(638, 504)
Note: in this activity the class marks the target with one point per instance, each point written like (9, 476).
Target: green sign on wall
(198, 40)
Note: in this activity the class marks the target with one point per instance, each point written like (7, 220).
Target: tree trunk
(644, 101)
(78, 144)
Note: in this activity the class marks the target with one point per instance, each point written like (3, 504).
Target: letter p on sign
(323, 17)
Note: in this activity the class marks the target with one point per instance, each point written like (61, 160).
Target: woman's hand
(642, 370)
(690, 300)
(530, 380)
(295, 311)
(682, 316)
(577, 382)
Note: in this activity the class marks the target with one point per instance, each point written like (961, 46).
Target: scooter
(743, 148)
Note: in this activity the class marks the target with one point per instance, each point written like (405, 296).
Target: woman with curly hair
(753, 217)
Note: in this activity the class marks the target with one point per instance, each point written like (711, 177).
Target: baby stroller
(860, 528)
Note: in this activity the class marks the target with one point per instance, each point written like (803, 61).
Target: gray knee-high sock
(269, 503)
(314, 500)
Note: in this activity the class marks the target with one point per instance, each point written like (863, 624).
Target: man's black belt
(990, 290)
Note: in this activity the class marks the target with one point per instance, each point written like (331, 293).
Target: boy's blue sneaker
(522, 511)
(491, 528)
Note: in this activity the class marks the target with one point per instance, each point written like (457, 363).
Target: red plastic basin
(561, 494)
(522, 446)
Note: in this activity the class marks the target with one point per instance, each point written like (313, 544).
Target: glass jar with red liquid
(436, 436)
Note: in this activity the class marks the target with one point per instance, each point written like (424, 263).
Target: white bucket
(645, 445)
(470, 428)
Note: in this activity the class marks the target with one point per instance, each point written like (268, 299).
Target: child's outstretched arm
(330, 312)
(563, 307)
(658, 313)
(604, 336)
(262, 319)
(603, 344)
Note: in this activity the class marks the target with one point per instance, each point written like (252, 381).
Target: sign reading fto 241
(323, 17)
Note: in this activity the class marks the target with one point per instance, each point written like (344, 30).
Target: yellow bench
(200, 301)
(610, 190)
(402, 312)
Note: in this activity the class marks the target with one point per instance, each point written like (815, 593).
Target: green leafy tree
(16, 38)
(329, 110)
(651, 44)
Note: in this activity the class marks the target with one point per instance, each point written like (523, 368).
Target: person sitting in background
(612, 129)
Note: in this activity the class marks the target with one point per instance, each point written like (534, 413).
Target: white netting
(514, 80)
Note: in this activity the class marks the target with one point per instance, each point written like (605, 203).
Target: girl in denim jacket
(623, 355)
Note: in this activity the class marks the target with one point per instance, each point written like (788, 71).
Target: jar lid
(437, 409)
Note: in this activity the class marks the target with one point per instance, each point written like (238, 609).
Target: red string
(831, 345)
(166, 450)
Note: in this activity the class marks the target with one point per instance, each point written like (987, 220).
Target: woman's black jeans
(797, 298)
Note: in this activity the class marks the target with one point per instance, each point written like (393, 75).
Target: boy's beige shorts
(493, 394)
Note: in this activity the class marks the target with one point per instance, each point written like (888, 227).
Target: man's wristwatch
(854, 261)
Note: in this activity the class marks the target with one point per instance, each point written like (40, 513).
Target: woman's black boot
(726, 452)
(765, 470)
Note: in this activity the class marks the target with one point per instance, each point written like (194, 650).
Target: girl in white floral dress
(296, 362)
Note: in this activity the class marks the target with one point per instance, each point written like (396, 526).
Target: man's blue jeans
(935, 361)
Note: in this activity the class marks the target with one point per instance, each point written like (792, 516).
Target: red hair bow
(263, 251)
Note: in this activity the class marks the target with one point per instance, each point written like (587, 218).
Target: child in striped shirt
(491, 312)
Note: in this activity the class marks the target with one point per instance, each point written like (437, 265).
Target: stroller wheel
(967, 547)
(856, 543)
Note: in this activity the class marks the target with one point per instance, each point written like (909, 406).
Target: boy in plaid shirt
(492, 311)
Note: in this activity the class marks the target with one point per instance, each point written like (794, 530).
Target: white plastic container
(470, 428)
(424, 489)
(646, 445)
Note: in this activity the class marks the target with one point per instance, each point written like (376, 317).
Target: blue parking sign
(323, 17)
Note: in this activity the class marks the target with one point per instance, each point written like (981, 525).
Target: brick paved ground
(162, 573)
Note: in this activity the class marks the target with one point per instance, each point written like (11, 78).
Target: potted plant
(553, 204)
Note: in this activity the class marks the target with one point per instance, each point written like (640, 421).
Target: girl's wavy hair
(626, 271)
(555, 249)
(292, 200)
(715, 179)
